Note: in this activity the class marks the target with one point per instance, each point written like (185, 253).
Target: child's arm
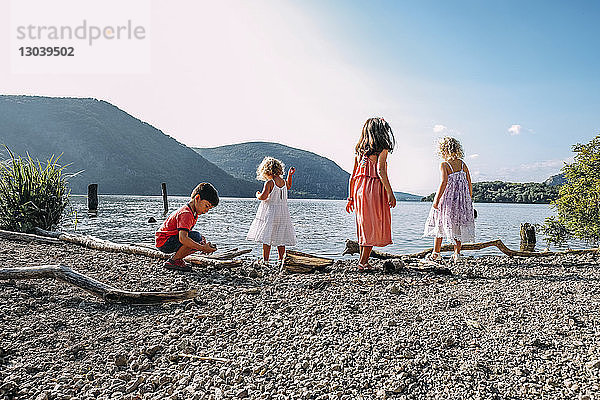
(469, 180)
(350, 203)
(266, 191)
(185, 240)
(291, 172)
(382, 171)
(442, 187)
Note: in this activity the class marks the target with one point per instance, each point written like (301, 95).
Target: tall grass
(31, 194)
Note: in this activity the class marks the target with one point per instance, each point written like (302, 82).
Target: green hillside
(402, 196)
(114, 149)
(556, 180)
(508, 192)
(316, 176)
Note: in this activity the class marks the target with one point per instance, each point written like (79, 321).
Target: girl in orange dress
(371, 195)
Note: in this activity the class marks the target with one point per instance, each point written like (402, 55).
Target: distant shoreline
(291, 199)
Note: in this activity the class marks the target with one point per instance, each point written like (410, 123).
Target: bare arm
(350, 203)
(382, 172)
(291, 172)
(266, 191)
(469, 180)
(443, 183)
(185, 240)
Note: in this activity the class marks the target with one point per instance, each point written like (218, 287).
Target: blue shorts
(173, 244)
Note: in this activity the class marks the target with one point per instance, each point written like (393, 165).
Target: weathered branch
(352, 248)
(225, 255)
(298, 262)
(26, 237)
(91, 285)
(105, 245)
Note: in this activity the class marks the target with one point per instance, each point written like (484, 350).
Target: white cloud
(473, 156)
(440, 128)
(536, 171)
(545, 164)
(515, 130)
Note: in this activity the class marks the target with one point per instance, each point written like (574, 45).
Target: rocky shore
(497, 328)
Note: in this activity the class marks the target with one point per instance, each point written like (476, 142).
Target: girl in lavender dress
(451, 215)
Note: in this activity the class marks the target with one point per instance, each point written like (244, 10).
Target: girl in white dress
(273, 224)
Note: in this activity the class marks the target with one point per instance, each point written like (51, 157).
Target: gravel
(496, 328)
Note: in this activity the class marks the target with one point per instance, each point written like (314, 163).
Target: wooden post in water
(527, 237)
(93, 199)
(165, 201)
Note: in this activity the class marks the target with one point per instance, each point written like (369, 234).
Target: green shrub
(578, 202)
(31, 195)
(554, 232)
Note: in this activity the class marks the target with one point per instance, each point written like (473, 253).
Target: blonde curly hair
(450, 148)
(269, 166)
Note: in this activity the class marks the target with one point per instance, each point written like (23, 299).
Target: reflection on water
(322, 226)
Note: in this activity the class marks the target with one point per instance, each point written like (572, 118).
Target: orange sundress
(373, 215)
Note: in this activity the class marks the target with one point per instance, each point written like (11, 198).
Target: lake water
(322, 226)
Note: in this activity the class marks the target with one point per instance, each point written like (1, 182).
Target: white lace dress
(453, 219)
(273, 224)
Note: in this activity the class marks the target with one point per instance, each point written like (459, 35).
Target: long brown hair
(376, 136)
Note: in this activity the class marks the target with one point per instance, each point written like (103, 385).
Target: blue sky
(515, 82)
(480, 67)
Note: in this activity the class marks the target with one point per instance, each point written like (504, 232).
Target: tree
(578, 202)
(31, 195)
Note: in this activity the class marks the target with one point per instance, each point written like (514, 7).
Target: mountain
(401, 196)
(316, 176)
(556, 180)
(114, 149)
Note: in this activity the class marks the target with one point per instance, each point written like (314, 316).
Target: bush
(578, 202)
(555, 232)
(31, 195)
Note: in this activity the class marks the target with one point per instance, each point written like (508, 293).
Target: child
(451, 215)
(371, 194)
(176, 235)
(273, 224)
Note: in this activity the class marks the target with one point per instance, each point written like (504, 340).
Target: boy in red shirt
(176, 235)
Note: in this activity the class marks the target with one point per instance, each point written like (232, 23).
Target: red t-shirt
(182, 219)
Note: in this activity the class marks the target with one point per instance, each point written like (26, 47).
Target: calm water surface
(322, 226)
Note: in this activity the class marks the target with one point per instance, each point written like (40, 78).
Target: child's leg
(437, 245)
(183, 252)
(457, 247)
(281, 252)
(365, 253)
(266, 251)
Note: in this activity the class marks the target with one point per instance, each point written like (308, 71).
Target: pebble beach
(496, 328)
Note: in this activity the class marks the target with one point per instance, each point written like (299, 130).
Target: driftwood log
(298, 262)
(105, 245)
(353, 248)
(106, 292)
(225, 255)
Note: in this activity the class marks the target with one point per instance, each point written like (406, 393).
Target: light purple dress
(453, 219)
